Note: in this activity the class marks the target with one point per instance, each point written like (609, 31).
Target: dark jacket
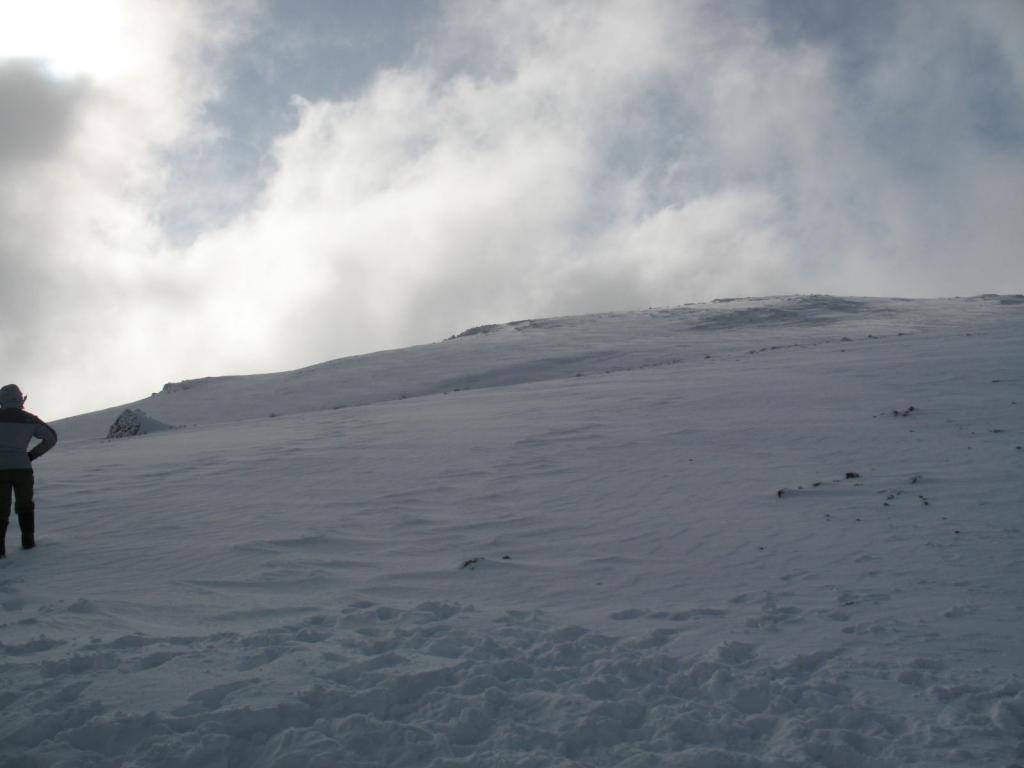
(17, 428)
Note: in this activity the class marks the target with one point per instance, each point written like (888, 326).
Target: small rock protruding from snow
(134, 422)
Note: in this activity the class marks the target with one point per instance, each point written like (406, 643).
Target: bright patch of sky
(68, 39)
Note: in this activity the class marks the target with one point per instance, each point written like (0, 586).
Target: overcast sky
(203, 188)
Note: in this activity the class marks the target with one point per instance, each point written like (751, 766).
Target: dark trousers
(22, 483)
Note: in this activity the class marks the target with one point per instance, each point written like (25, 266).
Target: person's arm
(47, 437)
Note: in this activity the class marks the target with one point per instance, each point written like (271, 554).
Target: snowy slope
(538, 350)
(566, 546)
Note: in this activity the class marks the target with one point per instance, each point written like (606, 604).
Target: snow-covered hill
(762, 532)
(544, 350)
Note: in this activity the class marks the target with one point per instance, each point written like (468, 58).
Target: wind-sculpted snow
(799, 310)
(432, 686)
(618, 540)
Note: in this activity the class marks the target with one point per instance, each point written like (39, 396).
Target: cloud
(573, 157)
(434, 200)
(88, 285)
(526, 159)
(38, 114)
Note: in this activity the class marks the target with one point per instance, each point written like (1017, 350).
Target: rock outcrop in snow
(134, 422)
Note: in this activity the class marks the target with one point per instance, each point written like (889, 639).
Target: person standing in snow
(17, 428)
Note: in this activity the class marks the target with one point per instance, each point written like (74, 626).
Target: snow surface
(612, 540)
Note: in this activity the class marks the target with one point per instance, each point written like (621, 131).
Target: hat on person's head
(11, 397)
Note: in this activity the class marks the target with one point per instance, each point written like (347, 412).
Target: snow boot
(3, 537)
(27, 521)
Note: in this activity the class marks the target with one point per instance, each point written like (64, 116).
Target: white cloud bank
(532, 159)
